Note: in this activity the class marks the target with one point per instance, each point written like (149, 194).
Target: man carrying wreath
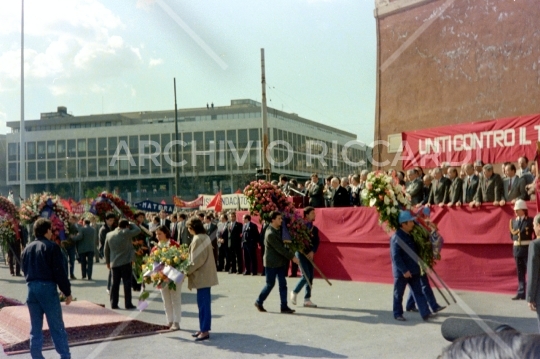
(276, 259)
(405, 267)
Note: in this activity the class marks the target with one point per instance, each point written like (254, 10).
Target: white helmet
(520, 204)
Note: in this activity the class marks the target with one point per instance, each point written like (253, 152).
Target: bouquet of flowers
(384, 192)
(9, 223)
(264, 197)
(107, 202)
(48, 206)
(296, 234)
(166, 266)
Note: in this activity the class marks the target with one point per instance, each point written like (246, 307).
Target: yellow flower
(176, 260)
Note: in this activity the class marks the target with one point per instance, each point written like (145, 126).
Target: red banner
(183, 204)
(492, 141)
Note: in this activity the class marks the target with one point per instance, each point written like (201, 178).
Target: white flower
(386, 200)
(393, 210)
(372, 202)
(388, 210)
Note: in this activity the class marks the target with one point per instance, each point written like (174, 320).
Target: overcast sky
(118, 56)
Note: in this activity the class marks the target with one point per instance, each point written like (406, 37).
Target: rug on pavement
(85, 323)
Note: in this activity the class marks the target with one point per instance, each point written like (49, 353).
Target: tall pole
(22, 159)
(266, 166)
(176, 172)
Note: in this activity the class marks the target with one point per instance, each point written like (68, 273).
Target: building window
(51, 169)
(113, 170)
(165, 164)
(31, 150)
(134, 170)
(13, 173)
(124, 167)
(41, 170)
(61, 169)
(92, 167)
(134, 144)
(102, 147)
(81, 148)
(82, 169)
(102, 167)
(91, 147)
(113, 142)
(31, 175)
(61, 149)
(198, 137)
(242, 139)
(71, 148)
(41, 150)
(51, 149)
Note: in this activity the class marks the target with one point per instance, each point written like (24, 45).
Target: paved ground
(354, 320)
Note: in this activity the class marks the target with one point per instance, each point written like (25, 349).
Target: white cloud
(133, 92)
(144, 4)
(79, 41)
(155, 62)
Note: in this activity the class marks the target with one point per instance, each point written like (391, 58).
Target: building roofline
(132, 118)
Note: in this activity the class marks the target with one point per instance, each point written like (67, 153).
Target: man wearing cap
(405, 268)
(490, 189)
(521, 231)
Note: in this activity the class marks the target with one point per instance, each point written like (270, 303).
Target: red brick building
(444, 62)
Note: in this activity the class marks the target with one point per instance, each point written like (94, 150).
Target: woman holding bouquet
(172, 299)
(202, 274)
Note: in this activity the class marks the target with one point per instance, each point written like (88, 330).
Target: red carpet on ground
(477, 253)
(85, 323)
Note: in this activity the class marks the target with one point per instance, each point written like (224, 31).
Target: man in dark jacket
(340, 196)
(110, 219)
(234, 252)
(84, 242)
(43, 267)
(304, 258)
(405, 267)
(276, 259)
(315, 192)
(250, 238)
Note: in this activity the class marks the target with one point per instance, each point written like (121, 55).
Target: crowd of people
(227, 243)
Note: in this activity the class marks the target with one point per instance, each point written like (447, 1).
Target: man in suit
(490, 188)
(315, 192)
(284, 184)
(119, 253)
(521, 231)
(173, 228)
(340, 196)
(415, 187)
(533, 269)
(356, 191)
(427, 179)
(439, 189)
(250, 238)
(211, 231)
(514, 187)
(235, 262)
(108, 226)
(455, 191)
(523, 163)
(345, 184)
(84, 242)
(223, 240)
(164, 221)
(182, 235)
(470, 184)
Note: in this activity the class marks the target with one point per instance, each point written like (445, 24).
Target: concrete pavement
(353, 320)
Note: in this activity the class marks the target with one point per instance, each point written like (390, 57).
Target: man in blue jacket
(43, 267)
(405, 267)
